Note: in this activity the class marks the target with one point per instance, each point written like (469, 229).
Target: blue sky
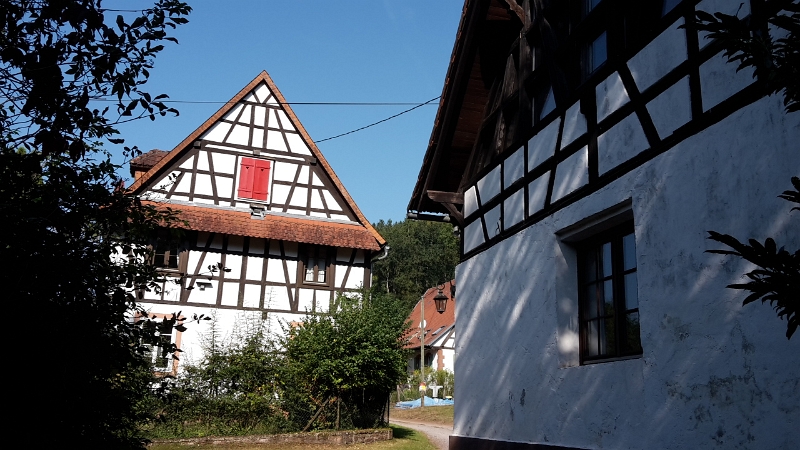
(316, 51)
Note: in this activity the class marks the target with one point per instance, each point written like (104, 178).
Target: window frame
(591, 247)
(171, 243)
(306, 253)
(175, 336)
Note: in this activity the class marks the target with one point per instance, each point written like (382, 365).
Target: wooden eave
(162, 166)
(462, 106)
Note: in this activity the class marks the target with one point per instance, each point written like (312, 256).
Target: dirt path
(439, 435)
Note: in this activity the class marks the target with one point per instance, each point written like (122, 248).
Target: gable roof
(434, 322)
(172, 157)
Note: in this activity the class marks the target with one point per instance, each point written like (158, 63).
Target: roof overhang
(486, 26)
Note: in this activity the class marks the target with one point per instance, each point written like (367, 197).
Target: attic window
(254, 177)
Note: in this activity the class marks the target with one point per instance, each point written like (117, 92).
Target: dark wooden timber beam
(517, 9)
(456, 198)
(449, 200)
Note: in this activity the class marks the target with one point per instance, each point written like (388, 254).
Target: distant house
(584, 148)
(440, 331)
(271, 231)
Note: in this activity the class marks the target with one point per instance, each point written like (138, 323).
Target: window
(166, 256)
(169, 253)
(254, 179)
(315, 265)
(162, 335)
(159, 350)
(596, 53)
(608, 299)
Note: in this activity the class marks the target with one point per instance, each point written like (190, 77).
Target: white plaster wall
(229, 324)
(447, 357)
(714, 374)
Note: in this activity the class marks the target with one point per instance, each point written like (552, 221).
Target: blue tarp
(428, 402)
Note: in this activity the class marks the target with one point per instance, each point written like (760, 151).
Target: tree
(776, 63)
(340, 367)
(777, 279)
(422, 254)
(68, 225)
(750, 43)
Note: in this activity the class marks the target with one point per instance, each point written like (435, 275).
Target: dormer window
(254, 177)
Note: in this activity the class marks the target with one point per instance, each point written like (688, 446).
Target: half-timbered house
(583, 148)
(438, 349)
(270, 230)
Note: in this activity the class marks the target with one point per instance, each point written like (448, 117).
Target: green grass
(432, 414)
(404, 439)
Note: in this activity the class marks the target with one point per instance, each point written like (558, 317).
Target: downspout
(385, 249)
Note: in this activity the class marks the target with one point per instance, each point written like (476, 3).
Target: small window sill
(607, 360)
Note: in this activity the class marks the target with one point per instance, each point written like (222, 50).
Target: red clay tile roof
(305, 231)
(140, 184)
(433, 320)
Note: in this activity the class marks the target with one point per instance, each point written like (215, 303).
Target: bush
(233, 391)
(341, 367)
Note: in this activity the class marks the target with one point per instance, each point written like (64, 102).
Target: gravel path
(439, 435)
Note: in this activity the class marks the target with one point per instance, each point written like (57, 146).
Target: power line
(376, 123)
(416, 105)
(196, 102)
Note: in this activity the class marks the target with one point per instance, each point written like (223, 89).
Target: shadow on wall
(712, 374)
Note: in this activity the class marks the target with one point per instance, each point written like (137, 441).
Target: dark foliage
(752, 42)
(67, 222)
(231, 392)
(422, 255)
(777, 279)
(341, 367)
(56, 57)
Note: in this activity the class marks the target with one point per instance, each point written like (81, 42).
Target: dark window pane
(591, 4)
(592, 293)
(606, 260)
(592, 338)
(633, 342)
(631, 291)
(591, 266)
(629, 252)
(608, 344)
(597, 52)
(608, 298)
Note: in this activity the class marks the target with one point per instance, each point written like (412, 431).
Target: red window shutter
(246, 176)
(261, 180)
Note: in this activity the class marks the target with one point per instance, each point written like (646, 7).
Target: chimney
(144, 162)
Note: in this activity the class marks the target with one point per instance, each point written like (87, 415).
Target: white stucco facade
(713, 374)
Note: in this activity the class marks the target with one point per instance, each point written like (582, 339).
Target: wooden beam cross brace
(449, 200)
